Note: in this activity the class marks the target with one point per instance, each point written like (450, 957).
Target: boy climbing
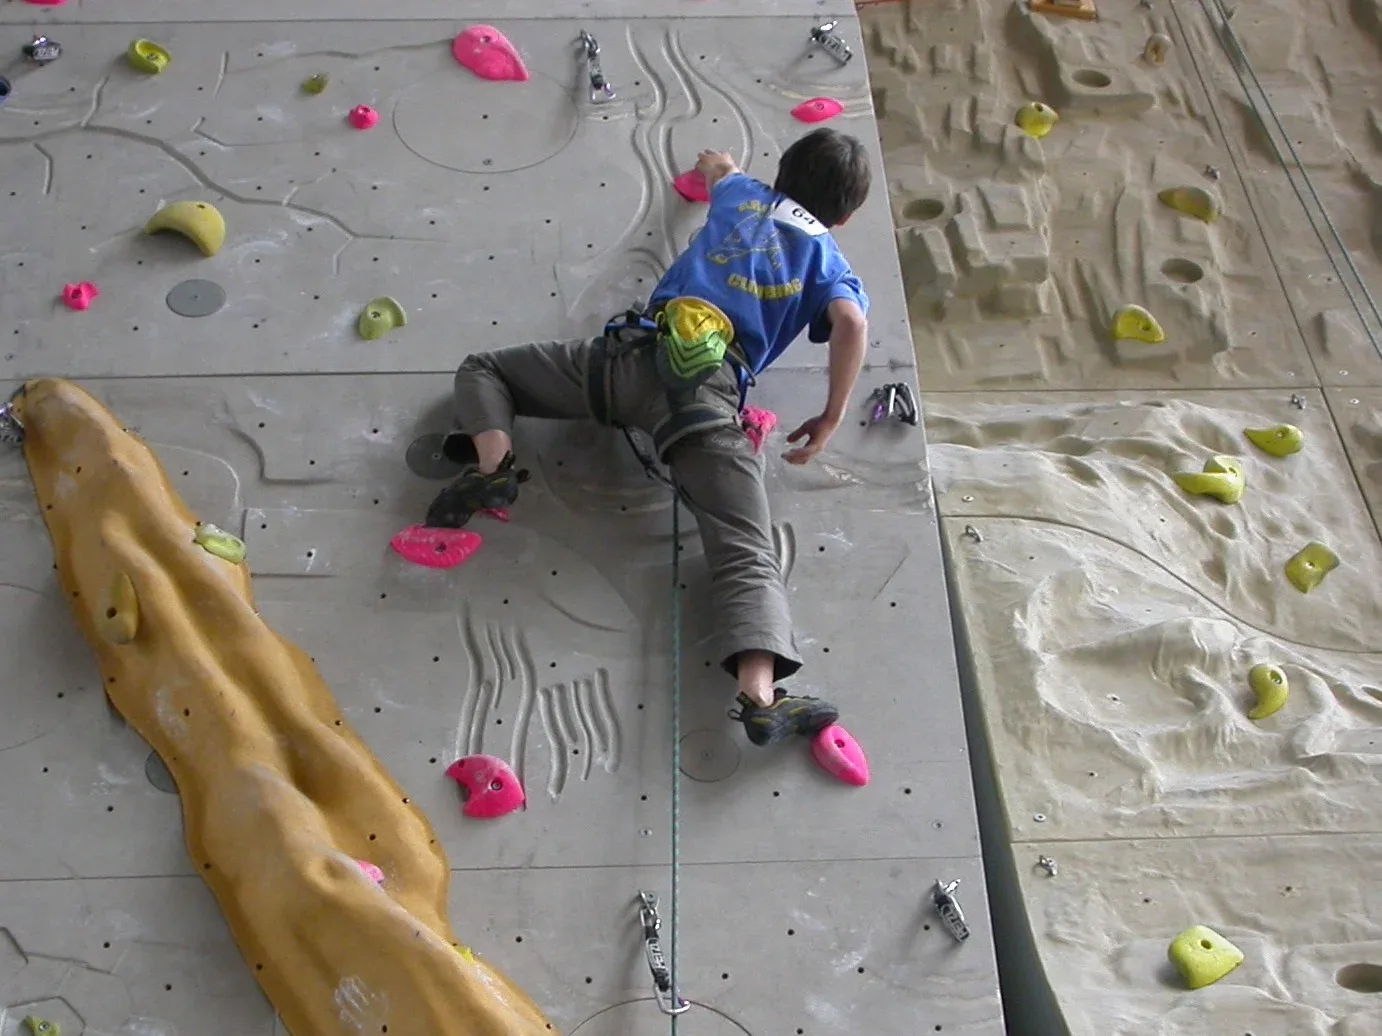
(762, 269)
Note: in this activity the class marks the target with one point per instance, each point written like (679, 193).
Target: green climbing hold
(1222, 478)
(39, 1027)
(1307, 569)
(222, 544)
(315, 83)
(1280, 440)
(380, 317)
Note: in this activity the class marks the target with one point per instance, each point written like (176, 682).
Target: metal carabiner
(11, 427)
(668, 1001)
(601, 89)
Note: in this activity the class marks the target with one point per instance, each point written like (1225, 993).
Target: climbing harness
(691, 340)
(893, 400)
(1255, 94)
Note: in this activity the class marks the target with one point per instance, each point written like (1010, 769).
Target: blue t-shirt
(770, 265)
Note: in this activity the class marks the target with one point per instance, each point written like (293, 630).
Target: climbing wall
(490, 213)
(1115, 610)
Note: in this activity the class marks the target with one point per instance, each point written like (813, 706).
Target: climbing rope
(679, 1006)
(1219, 17)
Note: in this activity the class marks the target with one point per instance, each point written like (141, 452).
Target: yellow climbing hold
(40, 1027)
(1135, 323)
(1280, 440)
(465, 952)
(147, 56)
(380, 317)
(1036, 119)
(1222, 478)
(119, 618)
(1203, 956)
(1307, 569)
(315, 83)
(1270, 686)
(1157, 47)
(198, 221)
(1198, 202)
(217, 541)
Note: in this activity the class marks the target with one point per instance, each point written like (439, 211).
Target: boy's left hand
(817, 432)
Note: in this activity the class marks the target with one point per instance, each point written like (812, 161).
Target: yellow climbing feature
(280, 797)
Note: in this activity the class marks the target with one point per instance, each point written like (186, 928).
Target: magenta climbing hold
(492, 788)
(691, 186)
(488, 53)
(80, 296)
(758, 423)
(371, 871)
(46, 3)
(499, 514)
(840, 755)
(363, 117)
(435, 548)
(818, 109)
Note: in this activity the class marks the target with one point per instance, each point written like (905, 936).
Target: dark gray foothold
(196, 298)
(4, 89)
(426, 460)
(708, 755)
(157, 772)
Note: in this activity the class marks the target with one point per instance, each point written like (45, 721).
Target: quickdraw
(664, 989)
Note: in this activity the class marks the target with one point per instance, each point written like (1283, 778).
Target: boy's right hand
(715, 166)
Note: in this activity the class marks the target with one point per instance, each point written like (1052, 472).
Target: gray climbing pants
(718, 470)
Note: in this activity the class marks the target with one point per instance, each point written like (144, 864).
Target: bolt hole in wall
(1092, 78)
(1182, 271)
(921, 209)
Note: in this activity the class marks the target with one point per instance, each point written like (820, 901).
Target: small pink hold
(487, 52)
(840, 755)
(363, 117)
(80, 296)
(691, 186)
(758, 423)
(499, 514)
(818, 109)
(371, 871)
(436, 548)
(47, 3)
(492, 788)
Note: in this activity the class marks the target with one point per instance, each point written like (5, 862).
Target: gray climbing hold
(4, 89)
(426, 460)
(157, 773)
(196, 298)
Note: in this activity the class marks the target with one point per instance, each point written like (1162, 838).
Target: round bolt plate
(708, 755)
(426, 460)
(196, 298)
(158, 774)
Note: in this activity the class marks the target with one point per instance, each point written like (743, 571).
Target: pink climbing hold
(80, 296)
(487, 52)
(47, 3)
(818, 109)
(363, 117)
(691, 186)
(436, 548)
(840, 755)
(371, 871)
(499, 514)
(492, 788)
(758, 423)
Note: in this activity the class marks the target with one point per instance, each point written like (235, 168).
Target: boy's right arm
(715, 166)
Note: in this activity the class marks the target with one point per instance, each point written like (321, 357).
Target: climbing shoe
(473, 492)
(788, 714)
